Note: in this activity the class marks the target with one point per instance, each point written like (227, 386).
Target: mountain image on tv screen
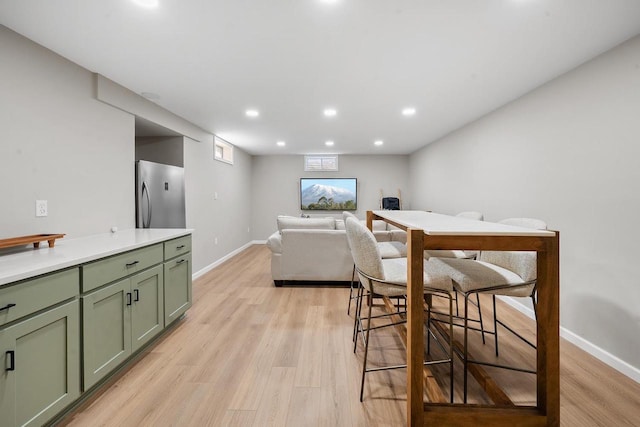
(328, 194)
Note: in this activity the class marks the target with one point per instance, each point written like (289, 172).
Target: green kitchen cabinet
(177, 278)
(41, 365)
(118, 319)
(66, 330)
(147, 308)
(98, 273)
(177, 288)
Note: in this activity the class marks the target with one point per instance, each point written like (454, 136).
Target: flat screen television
(329, 194)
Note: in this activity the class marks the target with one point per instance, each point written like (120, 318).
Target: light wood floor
(250, 354)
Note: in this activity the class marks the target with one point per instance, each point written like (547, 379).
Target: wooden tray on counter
(26, 240)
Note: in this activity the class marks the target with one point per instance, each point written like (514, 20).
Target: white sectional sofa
(316, 250)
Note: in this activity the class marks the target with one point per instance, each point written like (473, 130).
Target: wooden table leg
(548, 332)
(415, 327)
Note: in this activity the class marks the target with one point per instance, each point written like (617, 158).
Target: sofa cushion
(392, 250)
(274, 242)
(315, 255)
(379, 225)
(292, 222)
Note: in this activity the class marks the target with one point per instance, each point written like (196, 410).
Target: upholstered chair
(474, 215)
(388, 278)
(459, 253)
(507, 273)
(387, 250)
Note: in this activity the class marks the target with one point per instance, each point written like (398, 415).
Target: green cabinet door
(147, 309)
(106, 329)
(41, 366)
(177, 287)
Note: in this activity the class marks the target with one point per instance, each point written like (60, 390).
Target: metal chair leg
(357, 323)
(366, 352)
(496, 322)
(457, 312)
(465, 349)
(451, 347)
(495, 325)
(358, 309)
(353, 279)
(480, 316)
(429, 328)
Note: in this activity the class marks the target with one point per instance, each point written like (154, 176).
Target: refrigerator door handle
(146, 188)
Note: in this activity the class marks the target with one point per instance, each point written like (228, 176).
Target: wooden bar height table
(426, 230)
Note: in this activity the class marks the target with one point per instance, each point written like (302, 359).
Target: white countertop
(446, 225)
(70, 252)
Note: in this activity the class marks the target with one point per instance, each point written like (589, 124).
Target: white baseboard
(597, 352)
(216, 263)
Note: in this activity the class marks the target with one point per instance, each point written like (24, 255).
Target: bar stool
(457, 253)
(388, 250)
(464, 254)
(388, 278)
(508, 273)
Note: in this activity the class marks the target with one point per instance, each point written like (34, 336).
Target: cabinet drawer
(32, 295)
(107, 270)
(175, 247)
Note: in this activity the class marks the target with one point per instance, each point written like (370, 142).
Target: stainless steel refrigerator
(159, 195)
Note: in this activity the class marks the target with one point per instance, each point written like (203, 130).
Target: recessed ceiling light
(378, 142)
(409, 111)
(252, 113)
(149, 4)
(330, 112)
(329, 143)
(281, 143)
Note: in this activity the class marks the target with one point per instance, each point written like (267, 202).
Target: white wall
(567, 153)
(227, 218)
(60, 144)
(168, 150)
(276, 186)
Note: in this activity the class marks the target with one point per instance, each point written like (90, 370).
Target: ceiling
(211, 60)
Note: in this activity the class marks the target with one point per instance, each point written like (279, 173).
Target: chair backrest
(346, 214)
(524, 264)
(471, 215)
(536, 224)
(390, 203)
(364, 249)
